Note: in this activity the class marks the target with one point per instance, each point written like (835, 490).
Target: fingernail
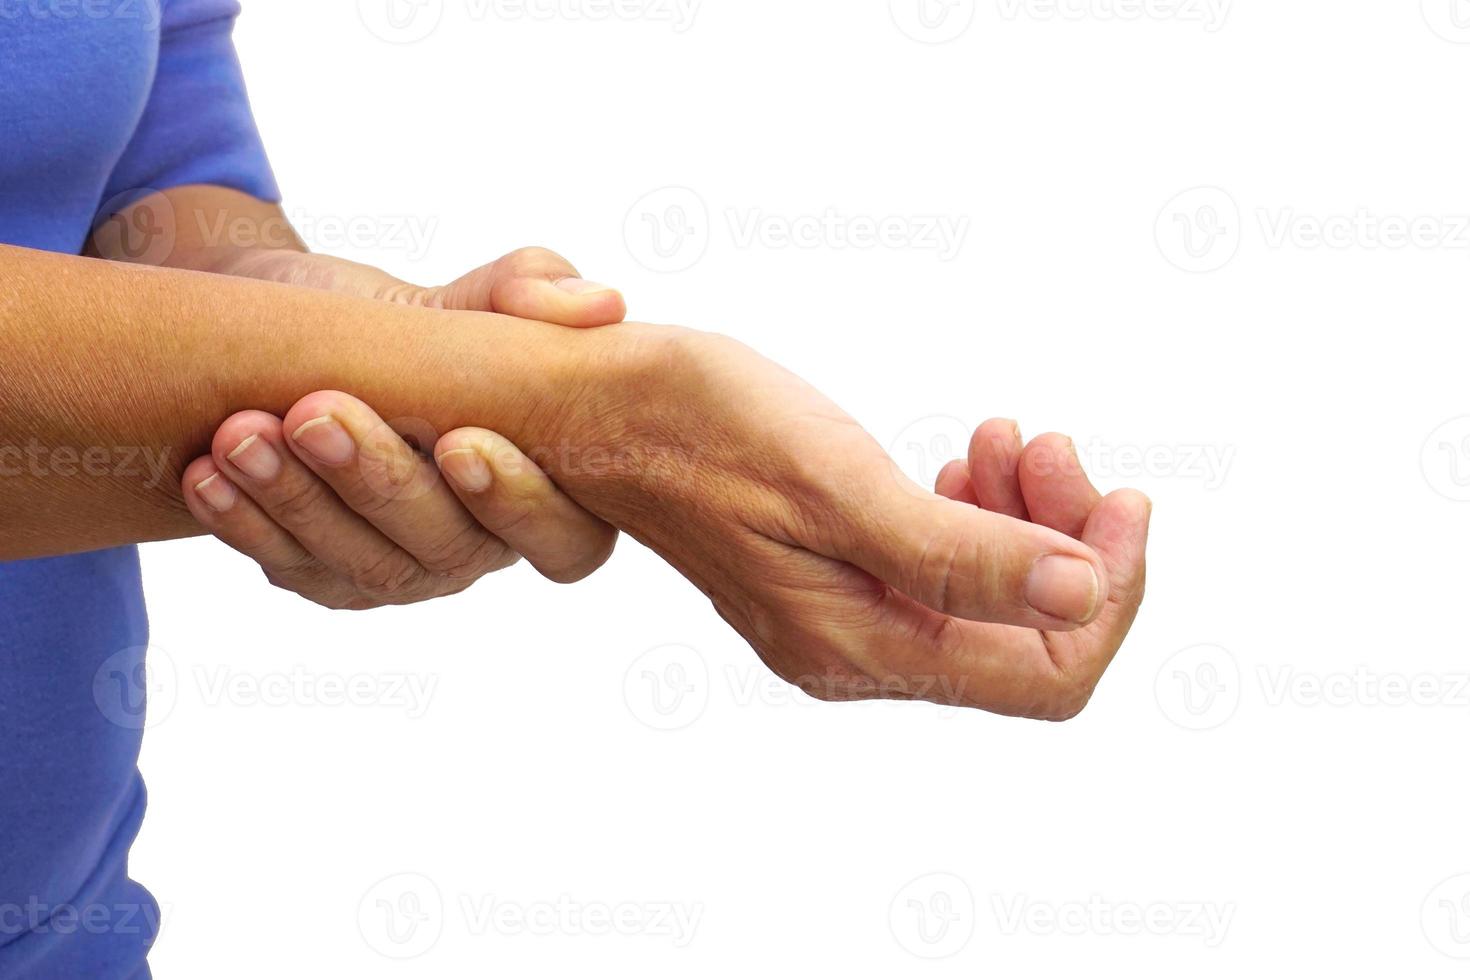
(325, 439)
(467, 469)
(581, 287)
(1063, 587)
(217, 492)
(256, 459)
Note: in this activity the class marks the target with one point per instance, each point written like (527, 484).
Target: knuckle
(388, 576)
(296, 575)
(299, 503)
(824, 673)
(506, 516)
(470, 554)
(337, 602)
(522, 259)
(390, 473)
(935, 575)
(1068, 698)
(312, 588)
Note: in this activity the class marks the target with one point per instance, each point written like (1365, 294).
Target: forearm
(116, 377)
(208, 228)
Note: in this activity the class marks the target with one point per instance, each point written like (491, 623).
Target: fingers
(843, 636)
(954, 482)
(1117, 530)
(510, 495)
(968, 562)
(1053, 484)
(536, 284)
(1043, 482)
(995, 460)
(239, 522)
(340, 450)
(250, 452)
(336, 505)
(854, 640)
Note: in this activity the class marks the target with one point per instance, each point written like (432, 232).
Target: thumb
(972, 563)
(535, 284)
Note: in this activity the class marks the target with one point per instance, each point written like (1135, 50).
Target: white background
(1271, 777)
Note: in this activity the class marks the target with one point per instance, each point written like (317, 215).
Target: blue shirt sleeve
(196, 127)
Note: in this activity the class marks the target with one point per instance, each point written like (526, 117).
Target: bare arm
(846, 578)
(332, 543)
(117, 375)
(216, 229)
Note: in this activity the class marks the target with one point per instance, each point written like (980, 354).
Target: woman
(136, 336)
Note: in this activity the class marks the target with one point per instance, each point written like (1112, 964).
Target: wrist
(607, 424)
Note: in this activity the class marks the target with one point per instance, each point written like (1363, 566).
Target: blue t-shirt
(99, 100)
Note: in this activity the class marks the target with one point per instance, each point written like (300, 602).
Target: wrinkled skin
(846, 578)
